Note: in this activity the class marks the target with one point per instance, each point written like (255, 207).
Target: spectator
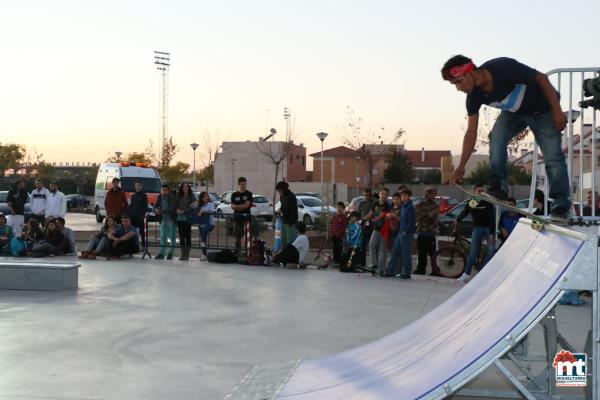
(138, 209)
(364, 207)
(427, 226)
(206, 222)
(289, 213)
(483, 228)
(166, 209)
(377, 244)
(33, 233)
(115, 201)
(6, 234)
(337, 229)
(402, 248)
(539, 202)
(352, 243)
(68, 246)
(185, 199)
(508, 221)
(56, 203)
(241, 202)
(99, 243)
(587, 209)
(393, 217)
(125, 239)
(39, 202)
(16, 200)
(296, 252)
(51, 246)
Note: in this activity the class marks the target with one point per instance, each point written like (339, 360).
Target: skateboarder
(527, 99)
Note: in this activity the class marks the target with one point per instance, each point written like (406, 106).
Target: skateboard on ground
(538, 221)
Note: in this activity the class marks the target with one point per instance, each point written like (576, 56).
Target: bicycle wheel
(450, 262)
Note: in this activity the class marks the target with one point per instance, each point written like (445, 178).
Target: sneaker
(159, 257)
(203, 258)
(385, 275)
(419, 272)
(169, 257)
(560, 212)
(402, 276)
(464, 278)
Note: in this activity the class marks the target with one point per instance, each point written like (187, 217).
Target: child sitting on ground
(296, 252)
(351, 254)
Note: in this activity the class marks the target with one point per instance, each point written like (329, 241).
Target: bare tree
(369, 145)
(276, 153)
(210, 147)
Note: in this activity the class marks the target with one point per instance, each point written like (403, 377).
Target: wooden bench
(29, 275)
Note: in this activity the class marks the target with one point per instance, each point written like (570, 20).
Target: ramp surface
(437, 354)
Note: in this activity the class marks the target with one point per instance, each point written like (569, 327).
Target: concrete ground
(189, 330)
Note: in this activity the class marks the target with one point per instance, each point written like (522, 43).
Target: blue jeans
(479, 233)
(204, 230)
(507, 126)
(401, 251)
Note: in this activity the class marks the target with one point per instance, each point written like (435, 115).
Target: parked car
(214, 198)
(4, 206)
(446, 221)
(446, 203)
(309, 194)
(76, 201)
(353, 205)
(226, 197)
(261, 208)
(309, 208)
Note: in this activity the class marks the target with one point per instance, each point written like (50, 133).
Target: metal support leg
(520, 387)
(550, 338)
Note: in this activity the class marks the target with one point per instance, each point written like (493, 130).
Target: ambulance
(128, 173)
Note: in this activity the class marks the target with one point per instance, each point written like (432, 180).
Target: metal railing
(573, 114)
(222, 236)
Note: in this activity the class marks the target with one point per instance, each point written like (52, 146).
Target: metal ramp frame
(437, 355)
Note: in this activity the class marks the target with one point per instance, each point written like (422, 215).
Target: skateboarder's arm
(560, 120)
(469, 141)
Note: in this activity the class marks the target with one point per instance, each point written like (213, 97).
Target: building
(473, 162)
(344, 165)
(255, 161)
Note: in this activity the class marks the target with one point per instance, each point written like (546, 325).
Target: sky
(79, 80)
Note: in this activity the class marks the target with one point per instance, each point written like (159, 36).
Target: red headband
(460, 70)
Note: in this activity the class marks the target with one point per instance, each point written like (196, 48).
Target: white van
(128, 173)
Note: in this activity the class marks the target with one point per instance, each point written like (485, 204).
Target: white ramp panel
(440, 352)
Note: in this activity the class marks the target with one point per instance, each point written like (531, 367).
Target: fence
(221, 236)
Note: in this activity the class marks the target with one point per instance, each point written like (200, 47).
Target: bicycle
(450, 262)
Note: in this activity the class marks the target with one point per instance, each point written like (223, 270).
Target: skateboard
(538, 221)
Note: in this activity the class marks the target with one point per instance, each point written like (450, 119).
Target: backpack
(256, 253)
(18, 247)
(224, 256)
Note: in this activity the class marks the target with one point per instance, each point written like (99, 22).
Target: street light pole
(194, 147)
(233, 160)
(322, 136)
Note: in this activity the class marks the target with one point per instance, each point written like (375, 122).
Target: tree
(208, 154)
(11, 156)
(175, 173)
(431, 177)
(276, 153)
(482, 172)
(365, 145)
(399, 167)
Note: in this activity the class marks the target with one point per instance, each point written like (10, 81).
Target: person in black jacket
(138, 209)
(166, 209)
(483, 228)
(288, 212)
(16, 200)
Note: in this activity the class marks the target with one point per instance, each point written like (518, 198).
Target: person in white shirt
(39, 201)
(56, 203)
(296, 252)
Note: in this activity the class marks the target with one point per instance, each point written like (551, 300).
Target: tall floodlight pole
(194, 147)
(287, 113)
(162, 60)
(322, 136)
